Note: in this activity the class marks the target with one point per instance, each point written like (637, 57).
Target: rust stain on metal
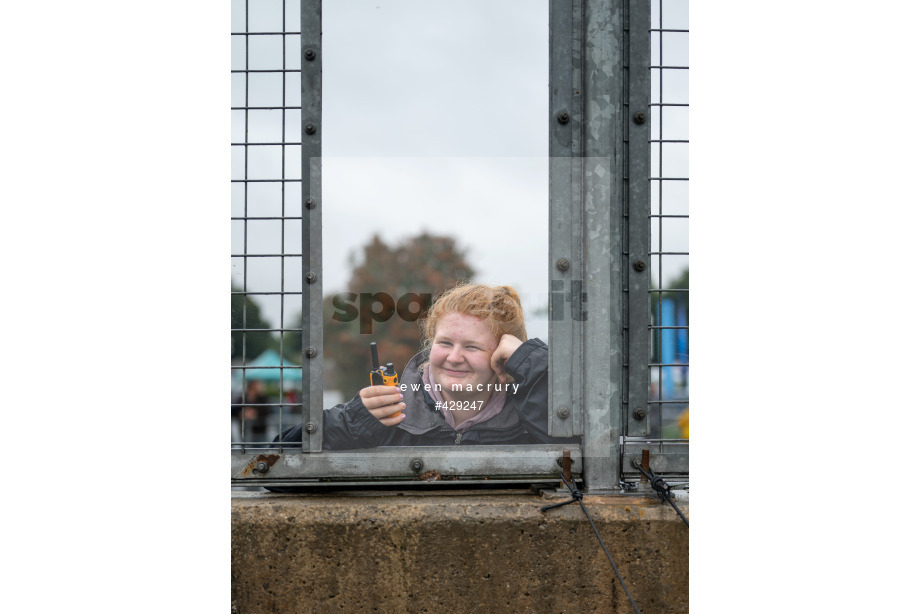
(567, 465)
(645, 464)
(269, 459)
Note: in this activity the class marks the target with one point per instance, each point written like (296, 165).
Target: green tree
(681, 282)
(246, 314)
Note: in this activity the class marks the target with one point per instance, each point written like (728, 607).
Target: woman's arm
(528, 366)
(352, 425)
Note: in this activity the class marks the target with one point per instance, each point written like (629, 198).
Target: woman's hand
(506, 347)
(384, 403)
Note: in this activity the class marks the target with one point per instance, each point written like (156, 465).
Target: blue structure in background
(270, 358)
(674, 346)
(668, 347)
(683, 351)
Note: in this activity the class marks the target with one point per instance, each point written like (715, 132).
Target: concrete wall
(463, 551)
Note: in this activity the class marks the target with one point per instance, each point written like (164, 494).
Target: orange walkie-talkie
(382, 376)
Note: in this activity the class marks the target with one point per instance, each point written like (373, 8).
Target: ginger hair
(498, 306)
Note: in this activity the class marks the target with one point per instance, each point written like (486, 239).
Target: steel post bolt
(310, 352)
(311, 277)
(563, 265)
(310, 203)
(563, 117)
(311, 427)
(416, 465)
(261, 467)
(639, 118)
(309, 129)
(309, 54)
(563, 413)
(639, 413)
(638, 265)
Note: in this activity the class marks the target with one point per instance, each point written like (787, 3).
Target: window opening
(434, 147)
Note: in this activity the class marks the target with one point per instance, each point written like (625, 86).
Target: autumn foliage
(422, 265)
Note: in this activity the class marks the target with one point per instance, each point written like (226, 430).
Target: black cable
(664, 491)
(577, 496)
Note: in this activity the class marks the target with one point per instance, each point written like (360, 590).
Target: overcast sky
(434, 119)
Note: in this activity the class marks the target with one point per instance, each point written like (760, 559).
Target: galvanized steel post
(598, 217)
(603, 95)
(637, 280)
(311, 62)
(566, 256)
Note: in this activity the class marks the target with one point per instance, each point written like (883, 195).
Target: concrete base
(461, 551)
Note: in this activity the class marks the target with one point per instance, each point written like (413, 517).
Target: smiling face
(461, 352)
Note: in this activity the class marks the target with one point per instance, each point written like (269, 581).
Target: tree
(424, 266)
(681, 282)
(246, 314)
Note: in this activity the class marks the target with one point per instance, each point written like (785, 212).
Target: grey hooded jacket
(521, 421)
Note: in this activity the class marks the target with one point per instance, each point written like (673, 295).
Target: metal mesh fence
(669, 220)
(265, 218)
